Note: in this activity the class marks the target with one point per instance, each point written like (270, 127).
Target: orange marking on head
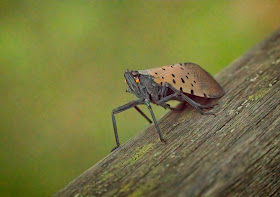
(137, 80)
(125, 80)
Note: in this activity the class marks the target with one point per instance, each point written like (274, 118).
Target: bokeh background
(61, 74)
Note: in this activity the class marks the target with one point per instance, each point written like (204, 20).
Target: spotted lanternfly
(179, 82)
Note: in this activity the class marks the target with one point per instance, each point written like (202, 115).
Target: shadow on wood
(236, 153)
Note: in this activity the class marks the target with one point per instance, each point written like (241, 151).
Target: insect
(179, 82)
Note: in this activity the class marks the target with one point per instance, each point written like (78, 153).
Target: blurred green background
(62, 65)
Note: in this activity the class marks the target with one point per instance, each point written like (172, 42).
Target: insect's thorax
(151, 87)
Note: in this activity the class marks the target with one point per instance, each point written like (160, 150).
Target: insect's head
(129, 75)
(133, 81)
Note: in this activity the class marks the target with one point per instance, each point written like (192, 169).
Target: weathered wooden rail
(236, 153)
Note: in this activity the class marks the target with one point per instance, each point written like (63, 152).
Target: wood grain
(236, 153)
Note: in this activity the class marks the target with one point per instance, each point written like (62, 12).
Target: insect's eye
(135, 73)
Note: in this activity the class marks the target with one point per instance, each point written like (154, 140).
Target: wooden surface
(236, 153)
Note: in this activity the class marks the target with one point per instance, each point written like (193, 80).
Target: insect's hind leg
(196, 105)
(164, 99)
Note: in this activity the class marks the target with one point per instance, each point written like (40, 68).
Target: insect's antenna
(131, 82)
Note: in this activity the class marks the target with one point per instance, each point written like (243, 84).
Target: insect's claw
(215, 104)
(210, 106)
(115, 148)
(208, 113)
(163, 141)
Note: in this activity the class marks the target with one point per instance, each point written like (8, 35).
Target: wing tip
(219, 93)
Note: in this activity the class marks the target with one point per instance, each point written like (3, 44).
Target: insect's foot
(208, 106)
(209, 113)
(163, 141)
(115, 148)
(213, 105)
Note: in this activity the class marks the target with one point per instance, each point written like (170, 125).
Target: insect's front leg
(121, 109)
(147, 101)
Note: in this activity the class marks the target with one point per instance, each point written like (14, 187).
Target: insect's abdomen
(188, 78)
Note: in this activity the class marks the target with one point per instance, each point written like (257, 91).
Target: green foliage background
(61, 74)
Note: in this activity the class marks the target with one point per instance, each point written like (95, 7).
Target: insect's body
(172, 82)
(188, 78)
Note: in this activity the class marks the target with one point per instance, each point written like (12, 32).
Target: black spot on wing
(173, 75)
(183, 80)
(187, 77)
(192, 92)
(192, 84)
(162, 77)
(163, 68)
(204, 95)
(174, 81)
(181, 89)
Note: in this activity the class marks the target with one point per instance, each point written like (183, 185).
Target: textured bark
(236, 153)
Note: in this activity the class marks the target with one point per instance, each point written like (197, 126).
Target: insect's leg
(118, 110)
(142, 113)
(162, 94)
(168, 98)
(196, 105)
(155, 121)
(163, 91)
(162, 102)
(165, 98)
